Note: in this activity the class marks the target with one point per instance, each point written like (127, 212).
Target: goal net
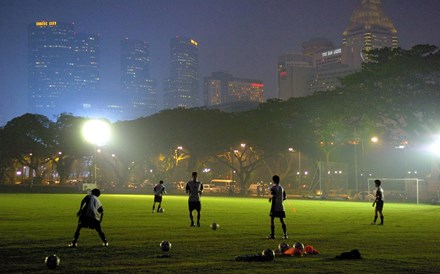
(400, 189)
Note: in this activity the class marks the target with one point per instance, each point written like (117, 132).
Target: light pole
(96, 132)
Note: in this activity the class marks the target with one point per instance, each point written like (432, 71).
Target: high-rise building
(294, 70)
(138, 88)
(50, 66)
(369, 28)
(223, 88)
(63, 68)
(181, 89)
(86, 62)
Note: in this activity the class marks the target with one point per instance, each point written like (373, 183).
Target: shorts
(278, 214)
(194, 205)
(89, 222)
(379, 205)
(157, 199)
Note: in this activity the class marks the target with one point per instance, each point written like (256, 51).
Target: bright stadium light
(96, 132)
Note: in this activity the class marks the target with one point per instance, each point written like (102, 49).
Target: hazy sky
(242, 37)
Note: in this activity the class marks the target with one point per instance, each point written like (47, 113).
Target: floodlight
(96, 132)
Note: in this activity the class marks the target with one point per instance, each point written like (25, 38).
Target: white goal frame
(416, 180)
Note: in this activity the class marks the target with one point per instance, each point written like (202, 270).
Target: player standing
(378, 202)
(90, 216)
(277, 208)
(159, 190)
(194, 189)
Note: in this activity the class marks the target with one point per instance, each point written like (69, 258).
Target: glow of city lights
(96, 132)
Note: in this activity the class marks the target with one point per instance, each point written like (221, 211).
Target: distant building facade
(369, 29)
(138, 89)
(223, 88)
(181, 89)
(50, 66)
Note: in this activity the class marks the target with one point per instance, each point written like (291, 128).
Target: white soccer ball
(52, 261)
(165, 246)
(299, 245)
(268, 254)
(283, 247)
(214, 226)
(161, 210)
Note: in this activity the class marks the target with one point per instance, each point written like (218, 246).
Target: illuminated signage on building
(283, 73)
(45, 23)
(331, 52)
(257, 85)
(194, 42)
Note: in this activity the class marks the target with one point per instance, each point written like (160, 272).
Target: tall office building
(86, 62)
(181, 89)
(50, 66)
(63, 68)
(369, 28)
(294, 70)
(223, 88)
(138, 89)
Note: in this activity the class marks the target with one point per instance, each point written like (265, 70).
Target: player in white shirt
(378, 202)
(277, 207)
(90, 215)
(159, 190)
(194, 189)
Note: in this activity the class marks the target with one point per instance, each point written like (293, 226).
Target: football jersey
(159, 189)
(379, 194)
(278, 196)
(194, 189)
(92, 206)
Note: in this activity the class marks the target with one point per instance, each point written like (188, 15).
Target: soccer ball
(161, 210)
(283, 247)
(214, 226)
(165, 246)
(52, 261)
(299, 246)
(268, 254)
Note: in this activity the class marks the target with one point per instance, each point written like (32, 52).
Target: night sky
(242, 37)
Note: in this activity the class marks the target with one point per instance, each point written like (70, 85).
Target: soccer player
(194, 189)
(277, 208)
(378, 202)
(90, 216)
(159, 190)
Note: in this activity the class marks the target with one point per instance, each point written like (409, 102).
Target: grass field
(34, 226)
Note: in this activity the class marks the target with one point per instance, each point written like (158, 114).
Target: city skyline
(243, 38)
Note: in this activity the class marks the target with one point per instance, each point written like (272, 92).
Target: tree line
(396, 95)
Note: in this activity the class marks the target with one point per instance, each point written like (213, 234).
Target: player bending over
(90, 216)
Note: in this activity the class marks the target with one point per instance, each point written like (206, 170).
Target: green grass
(33, 226)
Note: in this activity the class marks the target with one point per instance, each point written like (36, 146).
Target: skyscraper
(181, 89)
(50, 66)
(294, 70)
(369, 28)
(63, 68)
(223, 88)
(138, 88)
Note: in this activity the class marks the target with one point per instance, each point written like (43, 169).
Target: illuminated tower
(86, 72)
(50, 66)
(369, 28)
(137, 87)
(182, 87)
(63, 68)
(223, 88)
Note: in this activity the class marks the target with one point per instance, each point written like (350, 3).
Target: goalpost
(403, 184)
